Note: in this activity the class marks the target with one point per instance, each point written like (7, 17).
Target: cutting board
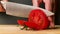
(13, 29)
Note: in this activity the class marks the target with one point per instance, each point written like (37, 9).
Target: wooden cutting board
(13, 29)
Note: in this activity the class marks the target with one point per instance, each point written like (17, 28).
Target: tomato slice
(32, 25)
(21, 22)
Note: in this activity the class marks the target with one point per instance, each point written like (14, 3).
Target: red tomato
(38, 17)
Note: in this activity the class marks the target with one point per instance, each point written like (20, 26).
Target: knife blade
(22, 10)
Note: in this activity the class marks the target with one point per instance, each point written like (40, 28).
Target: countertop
(13, 29)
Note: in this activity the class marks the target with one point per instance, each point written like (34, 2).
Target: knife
(22, 10)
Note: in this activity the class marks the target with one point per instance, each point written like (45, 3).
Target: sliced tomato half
(38, 17)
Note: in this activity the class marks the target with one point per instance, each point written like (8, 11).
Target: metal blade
(21, 10)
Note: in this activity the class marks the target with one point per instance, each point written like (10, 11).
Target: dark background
(28, 2)
(7, 19)
(57, 12)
